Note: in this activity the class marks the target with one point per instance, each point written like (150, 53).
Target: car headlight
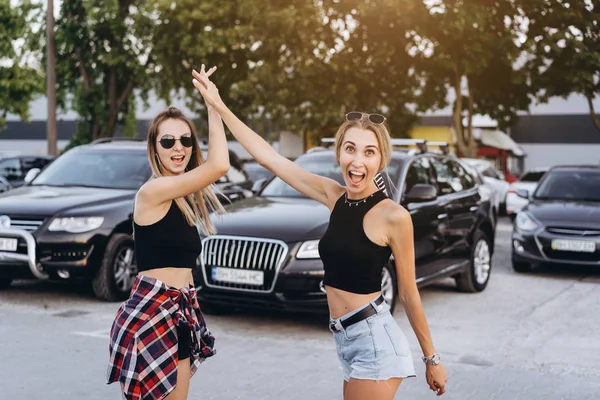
(309, 249)
(76, 224)
(525, 222)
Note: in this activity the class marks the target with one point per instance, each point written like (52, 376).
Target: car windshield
(570, 184)
(256, 171)
(102, 169)
(532, 176)
(328, 167)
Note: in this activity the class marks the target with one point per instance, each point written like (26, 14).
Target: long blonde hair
(193, 206)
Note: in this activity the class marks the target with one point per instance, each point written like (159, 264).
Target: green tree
(267, 54)
(369, 68)
(472, 48)
(564, 42)
(104, 53)
(20, 79)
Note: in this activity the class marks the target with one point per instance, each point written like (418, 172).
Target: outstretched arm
(163, 189)
(401, 240)
(319, 188)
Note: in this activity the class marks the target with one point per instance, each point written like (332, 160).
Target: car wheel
(118, 271)
(477, 276)
(5, 282)
(389, 286)
(522, 266)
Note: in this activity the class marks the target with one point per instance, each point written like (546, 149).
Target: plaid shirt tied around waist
(143, 339)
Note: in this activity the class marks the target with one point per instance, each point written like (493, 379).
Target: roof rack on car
(443, 146)
(116, 139)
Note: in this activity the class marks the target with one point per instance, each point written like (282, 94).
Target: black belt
(359, 316)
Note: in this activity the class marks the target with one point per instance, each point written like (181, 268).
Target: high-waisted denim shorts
(374, 348)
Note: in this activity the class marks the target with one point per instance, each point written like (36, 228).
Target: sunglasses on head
(168, 141)
(376, 119)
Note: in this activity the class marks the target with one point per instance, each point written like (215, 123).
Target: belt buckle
(332, 327)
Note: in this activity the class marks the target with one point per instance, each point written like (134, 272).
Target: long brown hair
(193, 206)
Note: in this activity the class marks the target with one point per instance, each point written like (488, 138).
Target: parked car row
(72, 219)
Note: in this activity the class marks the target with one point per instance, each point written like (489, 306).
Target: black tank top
(170, 242)
(352, 262)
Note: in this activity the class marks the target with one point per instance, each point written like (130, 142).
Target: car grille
(573, 231)
(30, 224)
(572, 256)
(243, 253)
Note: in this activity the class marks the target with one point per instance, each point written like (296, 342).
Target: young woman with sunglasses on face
(365, 229)
(159, 337)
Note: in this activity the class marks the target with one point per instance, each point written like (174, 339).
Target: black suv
(265, 253)
(74, 219)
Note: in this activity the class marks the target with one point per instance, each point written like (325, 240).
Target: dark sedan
(265, 254)
(561, 223)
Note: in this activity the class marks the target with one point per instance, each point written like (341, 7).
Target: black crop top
(352, 262)
(170, 242)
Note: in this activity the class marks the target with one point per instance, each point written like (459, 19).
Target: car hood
(48, 200)
(566, 213)
(287, 219)
(524, 185)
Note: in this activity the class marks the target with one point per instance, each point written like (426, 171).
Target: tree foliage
(471, 48)
(20, 79)
(104, 53)
(563, 40)
(300, 65)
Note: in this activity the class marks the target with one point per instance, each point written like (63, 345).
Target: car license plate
(582, 246)
(234, 275)
(8, 244)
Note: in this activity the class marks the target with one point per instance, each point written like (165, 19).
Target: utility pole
(51, 124)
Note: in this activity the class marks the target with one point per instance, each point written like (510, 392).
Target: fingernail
(194, 80)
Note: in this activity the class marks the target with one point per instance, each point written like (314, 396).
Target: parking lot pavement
(525, 337)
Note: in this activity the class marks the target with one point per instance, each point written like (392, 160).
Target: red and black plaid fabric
(143, 345)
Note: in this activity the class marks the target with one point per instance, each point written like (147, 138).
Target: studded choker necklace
(356, 202)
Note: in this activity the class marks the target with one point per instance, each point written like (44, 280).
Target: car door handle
(442, 216)
(474, 208)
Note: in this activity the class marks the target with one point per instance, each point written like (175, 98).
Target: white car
(492, 178)
(528, 181)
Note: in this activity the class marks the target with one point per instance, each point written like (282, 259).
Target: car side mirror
(524, 193)
(421, 192)
(31, 174)
(259, 185)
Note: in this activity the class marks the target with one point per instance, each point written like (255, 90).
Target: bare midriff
(176, 277)
(342, 302)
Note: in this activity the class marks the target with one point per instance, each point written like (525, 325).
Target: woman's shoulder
(393, 212)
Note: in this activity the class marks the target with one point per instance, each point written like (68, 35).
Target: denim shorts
(374, 348)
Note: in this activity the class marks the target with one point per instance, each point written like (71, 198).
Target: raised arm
(319, 188)
(165, 188)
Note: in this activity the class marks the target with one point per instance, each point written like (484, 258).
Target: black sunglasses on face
(376, 119)
(168, 141)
